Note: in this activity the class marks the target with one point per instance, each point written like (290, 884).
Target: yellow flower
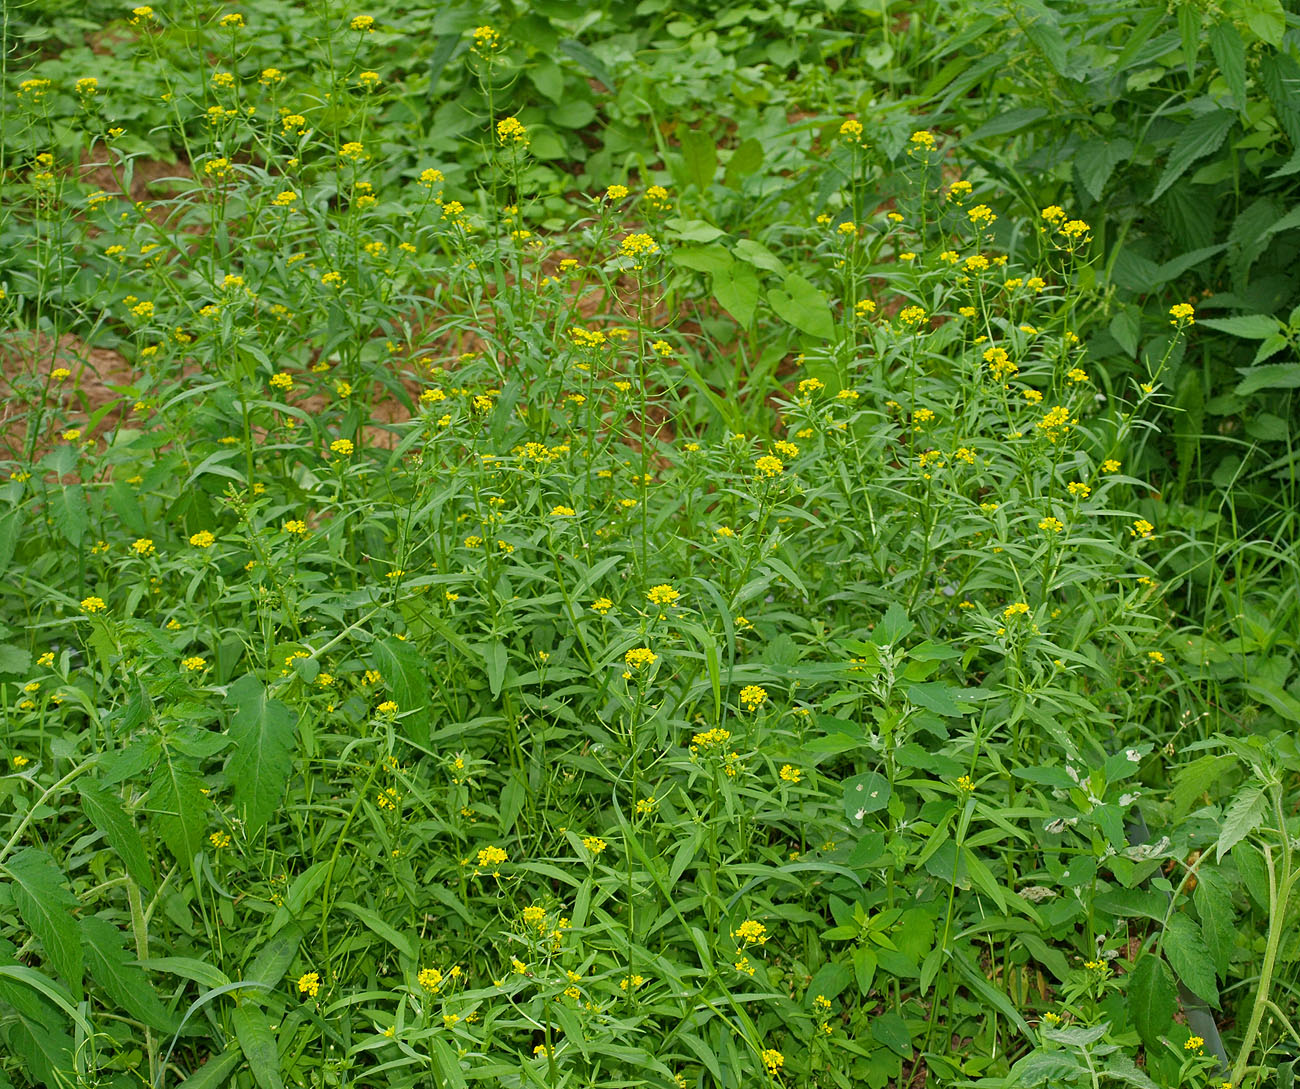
(285, 199)
(638, 657)
(342, 446)
(790, 774)
(491, 856)
(1079, 489)
(486, 39)
(282, 381)
(1051, 525)
(663, 594)
(511, 131)
(233, 21)
(309, 984)
(219, 840)
(772, 1058)
(1194, 1043)
(270, 77)
(93, 605)
(614, 192)
(638, 245)
(602, 605)
(769, 466)
(753, 696)
(1018, 608)
(193, 664)
(562, 511)
(851, 130)
(751, 932)
(1156, 656)
(922, 140)
(1183, 314)
(912, 315)
(1110, 465)
(72, 434)
(981, 215)
(388, 707)
(295, 527)
(1142, 528)
(594, 844)
(363, 23)
(369, 80)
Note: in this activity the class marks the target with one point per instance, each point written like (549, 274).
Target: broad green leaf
(105, 812)
(800, 304)
(714, 258)
(1243, 816)
(1199, 138)
(262, 731)
(866, 793)
(14, 659)
(1269, 376)
(257, 1042)
(1191, 960)
(178, 806)
(1279, 73)
(1006, 123)
(125, 983)
(1152, 998)
(589, 62)
(70, 513)
(1267, 18)
(744, 161)
(274, 958)
(1096, 161)
(759, 256)
(1213, 899)
(216, 1071)
(46, 906)
(890, 1029)
(736, 291)
(390, 934)
(1249, 326)
(700, 153)
(404, 672)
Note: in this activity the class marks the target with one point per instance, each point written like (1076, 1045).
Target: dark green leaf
(1152, 998)
(257, 1042)
(1230, 55)
(890, 1029)
(262, 731)
(1191, 960)
(46, 906)
(125, 983)
(1213, 899)
(865, 794)
(800, 304)
(1200, 137)
(106, 813)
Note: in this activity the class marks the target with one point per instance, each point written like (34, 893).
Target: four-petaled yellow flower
(93, 605)
(753, 696)
(309, 984)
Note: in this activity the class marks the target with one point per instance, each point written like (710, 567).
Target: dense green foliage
(650, 545)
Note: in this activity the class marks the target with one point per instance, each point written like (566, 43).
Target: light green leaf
(1243, 816)
(736, 291)
(866, 793)
(1248, 326)
(800, 304)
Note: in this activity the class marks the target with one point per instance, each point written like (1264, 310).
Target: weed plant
(567, 644)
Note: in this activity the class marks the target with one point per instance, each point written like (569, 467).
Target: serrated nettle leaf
(1199, 137)
(105, 811)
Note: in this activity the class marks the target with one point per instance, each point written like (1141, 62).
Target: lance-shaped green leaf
(106, 813)
(262, 730)
(123, 982)
(46, 906)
